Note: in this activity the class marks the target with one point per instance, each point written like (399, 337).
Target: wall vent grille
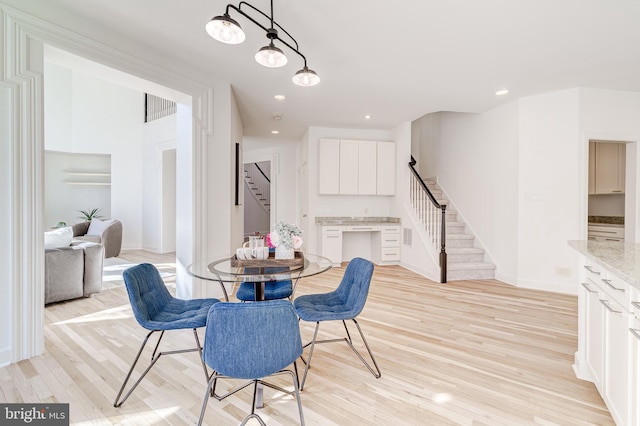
(406, 236)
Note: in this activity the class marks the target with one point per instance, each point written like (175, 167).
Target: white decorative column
(23, 276)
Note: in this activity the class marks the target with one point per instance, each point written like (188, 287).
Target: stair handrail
(443, 208)
(260, 170)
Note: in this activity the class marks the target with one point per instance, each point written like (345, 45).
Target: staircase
(465, 261)
(258, 184)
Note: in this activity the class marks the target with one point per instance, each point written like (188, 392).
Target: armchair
(106, 232)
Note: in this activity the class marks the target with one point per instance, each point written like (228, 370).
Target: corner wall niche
(73, 182)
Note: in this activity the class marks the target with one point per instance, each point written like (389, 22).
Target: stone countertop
(357, 220)
(606, 220)
(622, 259)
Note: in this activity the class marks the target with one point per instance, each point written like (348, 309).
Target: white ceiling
(393, 60)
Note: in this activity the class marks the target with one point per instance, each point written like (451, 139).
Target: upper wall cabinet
(350, 167)
(606, 167)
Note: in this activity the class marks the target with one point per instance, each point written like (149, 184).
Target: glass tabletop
(222, 270)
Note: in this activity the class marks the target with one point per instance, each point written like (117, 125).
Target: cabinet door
(328, 170)
(616, 363)
(595, 334)
(332, 246)
(634, 332)
(609, 177)
(348, 167)
(367, 154)
(386, 168)
(592, 168)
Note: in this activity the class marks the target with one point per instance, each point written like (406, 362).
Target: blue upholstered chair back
(354, 287)
(251, 340)
(147, 293)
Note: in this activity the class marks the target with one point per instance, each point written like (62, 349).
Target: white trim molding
(22, 73)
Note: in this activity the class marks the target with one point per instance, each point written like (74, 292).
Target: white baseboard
(5, 357)
(427, 274)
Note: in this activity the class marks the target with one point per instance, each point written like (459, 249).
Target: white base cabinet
(606, 343)
(385, 242)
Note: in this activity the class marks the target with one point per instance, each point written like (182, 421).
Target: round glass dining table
(224, 271)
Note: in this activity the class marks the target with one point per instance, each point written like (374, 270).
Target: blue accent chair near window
(156, 309)
(344, 303)
(252, 341)
(272, 290)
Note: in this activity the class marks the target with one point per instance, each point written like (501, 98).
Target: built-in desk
(385, 237)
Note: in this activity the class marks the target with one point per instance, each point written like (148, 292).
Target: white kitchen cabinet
(616, 360)
(328, 166)
(605, 304)
(634, 373)
(386, 249)
(367, 173)
(332, 244)
(351, 167)
(386, 168)
(594, 318)
(609, 167)
(604, 232)
(349, 162)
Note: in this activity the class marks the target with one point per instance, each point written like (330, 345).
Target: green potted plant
(89, 215)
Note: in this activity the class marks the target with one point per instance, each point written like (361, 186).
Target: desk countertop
(623, 259)
(357, 220)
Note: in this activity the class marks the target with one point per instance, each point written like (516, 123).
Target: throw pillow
(59, 238)
(97, 226)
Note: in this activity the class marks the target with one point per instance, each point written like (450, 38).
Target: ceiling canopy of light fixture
(226, 30)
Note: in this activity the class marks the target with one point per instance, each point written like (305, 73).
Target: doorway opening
(257, 198)
(611, 199)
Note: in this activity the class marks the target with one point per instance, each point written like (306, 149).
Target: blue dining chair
(156, 309)
(252, 341)
(272, 289)
(344, 303)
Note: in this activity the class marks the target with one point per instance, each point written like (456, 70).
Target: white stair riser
(460, 243)
(464, 257)
(455, 228)
(480, 274)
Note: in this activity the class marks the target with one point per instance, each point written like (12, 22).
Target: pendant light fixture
(227, 30)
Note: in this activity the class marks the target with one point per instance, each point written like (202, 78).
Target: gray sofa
(73, 271)
(111, 237)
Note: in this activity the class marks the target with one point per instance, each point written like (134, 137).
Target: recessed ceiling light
(280, 97)
(275, 132)
(367, 117)
(502, 92)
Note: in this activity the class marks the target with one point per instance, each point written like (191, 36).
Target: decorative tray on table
(296, 262)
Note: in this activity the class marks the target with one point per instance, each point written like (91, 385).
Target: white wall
(549, 179)
(159, 136)
(85, 114)
(339, 205)
(477, 166)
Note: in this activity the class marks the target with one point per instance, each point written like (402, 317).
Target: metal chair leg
(308, 362)
(377, 374)
(135, 361)
(154, 358)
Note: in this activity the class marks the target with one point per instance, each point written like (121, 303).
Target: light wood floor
(466, 353)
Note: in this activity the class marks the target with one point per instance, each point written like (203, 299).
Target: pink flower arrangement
(286, 235)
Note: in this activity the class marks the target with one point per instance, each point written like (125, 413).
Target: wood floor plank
(463, 353)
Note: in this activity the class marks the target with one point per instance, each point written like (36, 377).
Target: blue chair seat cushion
(180, 314)
(324, 307)
(272, 290)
